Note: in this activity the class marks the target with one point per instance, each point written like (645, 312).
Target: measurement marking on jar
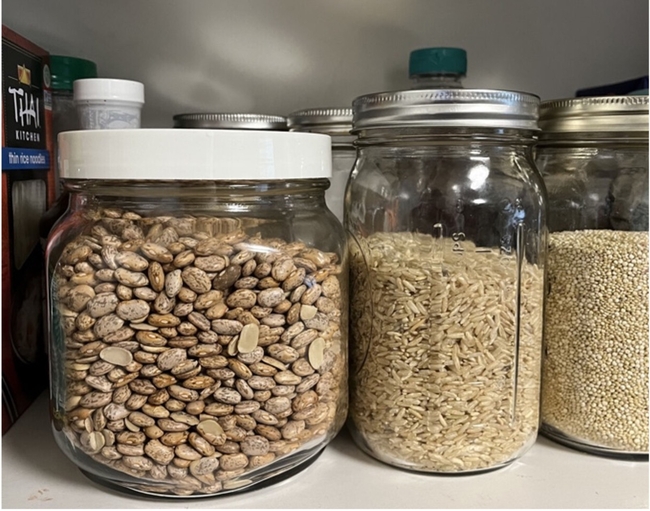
(458, 238)
(438, 243)
(520, 254)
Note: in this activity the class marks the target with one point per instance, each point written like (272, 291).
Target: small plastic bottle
(437, 68)
(108, 103)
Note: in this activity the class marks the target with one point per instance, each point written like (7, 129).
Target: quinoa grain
(595, 381)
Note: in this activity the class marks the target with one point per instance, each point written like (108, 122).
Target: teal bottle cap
(65, 70)
(431, 61)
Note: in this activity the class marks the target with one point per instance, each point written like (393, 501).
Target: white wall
(276, 56)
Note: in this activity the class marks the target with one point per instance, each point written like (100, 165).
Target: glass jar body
(64, 112)
(438, 81)
(343, 156)
(447, 242)
(595, 381)
(64, 118)
(198, 332)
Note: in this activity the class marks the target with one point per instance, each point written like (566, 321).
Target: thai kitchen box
(28, 189)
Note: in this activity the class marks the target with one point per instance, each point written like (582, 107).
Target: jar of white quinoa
(593, 155)
(197, 308)
(446, 219)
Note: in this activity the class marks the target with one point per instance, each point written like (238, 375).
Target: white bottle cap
(194, 154)
(108, 89)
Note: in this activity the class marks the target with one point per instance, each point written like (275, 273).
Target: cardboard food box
(27, 191)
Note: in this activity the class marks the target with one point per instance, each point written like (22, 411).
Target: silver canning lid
(594, 114)
(331, 121)
(453, 108)
(228, 121)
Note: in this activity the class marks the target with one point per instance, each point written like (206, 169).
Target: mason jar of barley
(197, 308)
(446, 219)
(593, 155)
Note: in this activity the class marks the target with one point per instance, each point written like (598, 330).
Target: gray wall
(276, 56)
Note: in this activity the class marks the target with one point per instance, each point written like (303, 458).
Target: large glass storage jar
(337, 123)
(446, 217)
(593, 155)
(198, 308)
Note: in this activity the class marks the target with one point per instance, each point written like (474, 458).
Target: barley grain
(434, 352)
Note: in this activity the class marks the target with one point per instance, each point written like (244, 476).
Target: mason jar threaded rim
(605, 114)
(447, 108)
(327, 120)
(232, 121)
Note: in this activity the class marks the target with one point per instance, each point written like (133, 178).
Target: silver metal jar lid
(594, 114)
(452, 108)
(231, 121)
(331, 121)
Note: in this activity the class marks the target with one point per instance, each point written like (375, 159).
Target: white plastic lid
(173, 154)
(108, 89)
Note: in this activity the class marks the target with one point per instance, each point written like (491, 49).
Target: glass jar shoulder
(416, 188)
(596, 187)
(292, 211)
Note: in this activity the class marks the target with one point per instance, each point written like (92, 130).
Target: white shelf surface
(35, 474)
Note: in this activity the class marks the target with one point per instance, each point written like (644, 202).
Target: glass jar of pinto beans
(197, 308)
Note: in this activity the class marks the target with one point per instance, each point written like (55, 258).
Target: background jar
(446, 220)
(231, 121)
(65, 70)
(593, 155)
(336, 122)
(198, 324)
